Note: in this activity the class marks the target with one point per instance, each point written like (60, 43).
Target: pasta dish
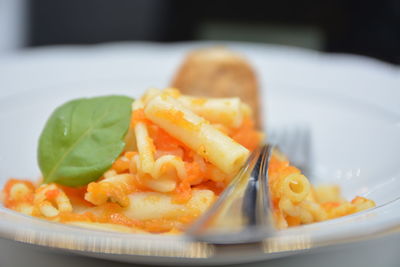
(155, 164)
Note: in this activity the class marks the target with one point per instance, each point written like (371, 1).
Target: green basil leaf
(82, 138)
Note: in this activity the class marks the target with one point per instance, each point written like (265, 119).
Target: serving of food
(157, 163)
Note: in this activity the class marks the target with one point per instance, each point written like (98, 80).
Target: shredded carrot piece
(138, 116)
(276, 165)
(217, 188)
(120, 165)
(177, 117)
(358, 199)
(138, 186)
(330, 205)
(76, 195)
(293, 221)
(182, 193)
(52, 194)
(119, 218)
(162, 140)
(113, 215)
(130, 154)
(194, 174)
(247, 135)
(84, 217)
(158, 225)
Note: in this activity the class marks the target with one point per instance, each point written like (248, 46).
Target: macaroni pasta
(180, 154)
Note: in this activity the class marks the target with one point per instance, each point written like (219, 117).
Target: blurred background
(368, 27)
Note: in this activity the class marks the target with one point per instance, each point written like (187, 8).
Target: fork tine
(307, 153)
(241, 214)
(295, 142)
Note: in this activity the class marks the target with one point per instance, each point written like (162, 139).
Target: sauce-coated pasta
(180, 154)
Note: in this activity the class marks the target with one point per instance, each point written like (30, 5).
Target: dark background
(369, 27)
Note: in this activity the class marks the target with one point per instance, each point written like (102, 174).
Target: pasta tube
(154, 205)
(145, 148)
(226, 111)
(295, 187)
(229, 112)
(196, 133)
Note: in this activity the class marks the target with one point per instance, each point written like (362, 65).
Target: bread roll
(219, 72)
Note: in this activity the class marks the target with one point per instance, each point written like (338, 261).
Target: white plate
(355, 142)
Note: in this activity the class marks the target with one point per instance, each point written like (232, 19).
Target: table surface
(45, 67)
(380, 252)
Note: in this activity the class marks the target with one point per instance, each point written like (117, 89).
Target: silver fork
(295, 143)
(242, 212)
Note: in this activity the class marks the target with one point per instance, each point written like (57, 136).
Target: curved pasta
(50, 200)
(113, 189)
(163, 175)
(167, 164)
(18, 195)
(158, 169)
(19, 191)
(318, 213)
(288, 207)
(362, 203)
(160, 185)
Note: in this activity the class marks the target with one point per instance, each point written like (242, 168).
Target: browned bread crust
(218, 72)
